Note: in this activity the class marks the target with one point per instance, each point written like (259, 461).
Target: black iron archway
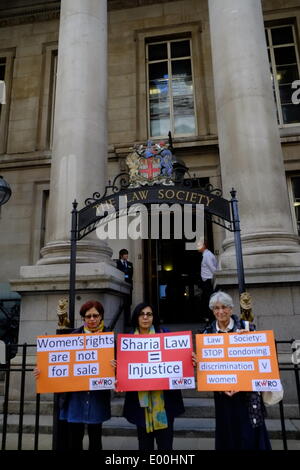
(219, 210)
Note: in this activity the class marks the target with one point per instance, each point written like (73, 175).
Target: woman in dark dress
(240, 423)
(78, 410)
(152, 412)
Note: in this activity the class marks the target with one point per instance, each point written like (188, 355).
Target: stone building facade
(86, 80)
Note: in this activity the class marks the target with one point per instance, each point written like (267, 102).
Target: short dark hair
(90, 304)
(137, 311)
(123, 252)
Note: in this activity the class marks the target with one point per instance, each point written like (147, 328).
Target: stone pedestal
(41, 287)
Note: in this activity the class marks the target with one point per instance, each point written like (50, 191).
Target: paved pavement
(130, 443)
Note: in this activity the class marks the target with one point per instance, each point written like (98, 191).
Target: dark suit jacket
(128, 271)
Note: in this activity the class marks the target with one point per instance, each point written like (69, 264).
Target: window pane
(158, 71)
(287, 74)
(158, 87)
(180, 49)
(296, 187)
(184, 124)
(286, 94)
(182, 86)
(2, 71)
(182, 119)
(159, 106)
(184, 114)
(285, 55)
(157, 51)
(159, 127)
(181, 68)
(291, 113)
(282, 35)
(267, 37)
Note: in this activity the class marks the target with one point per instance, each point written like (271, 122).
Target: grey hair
(221, 297)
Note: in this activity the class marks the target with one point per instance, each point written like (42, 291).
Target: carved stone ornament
(246, 307)
(149, 165)
(62, 313)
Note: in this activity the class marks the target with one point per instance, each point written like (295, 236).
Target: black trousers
(163, 438)
(76, 435)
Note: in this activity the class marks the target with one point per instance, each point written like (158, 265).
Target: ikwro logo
(102, 383)
(265, 385)
(181, 383)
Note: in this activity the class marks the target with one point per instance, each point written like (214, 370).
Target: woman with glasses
(152, 412)
(240, 423)
(80, 409)
(87, 408)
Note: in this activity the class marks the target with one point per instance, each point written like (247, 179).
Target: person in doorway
(79, 409)
(240, 423)
(127, 267)
(209, 265)
(152, 412)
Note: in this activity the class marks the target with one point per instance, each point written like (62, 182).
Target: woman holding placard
(152, 412)
(85, 408)
(240, 423)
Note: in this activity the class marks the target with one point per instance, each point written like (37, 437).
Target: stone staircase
(197, 421)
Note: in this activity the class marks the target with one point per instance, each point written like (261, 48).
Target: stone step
(127, 443)
(184, 427)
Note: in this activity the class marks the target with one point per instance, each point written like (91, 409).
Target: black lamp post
(5, 191)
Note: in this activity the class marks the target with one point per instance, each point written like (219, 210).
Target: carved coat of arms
(150, 165)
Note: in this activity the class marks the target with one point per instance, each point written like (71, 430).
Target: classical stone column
(79, 155)
(78, 169)
(250, 151)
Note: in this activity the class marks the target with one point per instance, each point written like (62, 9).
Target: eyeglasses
(222, 307)
(95, 315)
(146, 314)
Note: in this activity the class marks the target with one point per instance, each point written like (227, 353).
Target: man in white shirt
(209, 265)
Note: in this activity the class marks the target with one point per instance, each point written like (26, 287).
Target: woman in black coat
(240, 423)
(78, 410)
(152, 412)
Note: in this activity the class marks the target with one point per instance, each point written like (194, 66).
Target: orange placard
(237, 361)
(74, 362)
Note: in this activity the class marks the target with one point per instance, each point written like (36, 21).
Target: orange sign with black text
(237, 361)
(75, 362)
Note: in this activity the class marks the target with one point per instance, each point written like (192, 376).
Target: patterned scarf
(154, 404)
(99, 328)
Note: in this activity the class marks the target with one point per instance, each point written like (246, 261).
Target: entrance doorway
(171, 276)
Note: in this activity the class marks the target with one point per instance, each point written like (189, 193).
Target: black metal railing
(22, 368)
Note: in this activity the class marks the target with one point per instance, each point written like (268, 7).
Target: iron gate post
(237, 241)
(73, 264)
